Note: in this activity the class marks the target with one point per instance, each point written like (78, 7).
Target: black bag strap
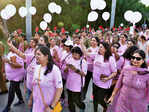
(81, 76)
(65, 59)
(31, 60)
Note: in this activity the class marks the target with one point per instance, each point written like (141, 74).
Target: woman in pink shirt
(76, 69)
(47, 82)
(131, 93)
(55, 51)
(90, 54)
(103, 72)
(14, 69)
(66, 55)
(29, 59)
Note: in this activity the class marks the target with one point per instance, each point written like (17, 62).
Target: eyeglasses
(137, 58)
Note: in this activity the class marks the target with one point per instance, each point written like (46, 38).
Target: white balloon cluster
(145, 2)
(97, 4)
(54, 8)
(133, 17)
(8, 12)
(106, 16)
(23, 11)
(100, 5)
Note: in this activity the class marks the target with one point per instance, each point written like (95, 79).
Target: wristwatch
(51, 107)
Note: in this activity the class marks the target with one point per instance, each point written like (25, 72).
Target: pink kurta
(133, 95)
(48, 84)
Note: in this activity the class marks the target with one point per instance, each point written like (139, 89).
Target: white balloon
(47, 17)
(10, 9)
(128, 15)
(52, 7)
(94, 4)
(43, 25)
(22, 11)
(58, 9)
(4, 14)
(97, 4)
(92, 16)
(137, 16)
(102, 5)
(32, 10)
(106, 16)
(145, 2)
(133, 17)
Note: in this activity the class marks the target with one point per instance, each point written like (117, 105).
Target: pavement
(23, 108)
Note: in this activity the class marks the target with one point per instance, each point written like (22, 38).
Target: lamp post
(113, 8)
(28, 21)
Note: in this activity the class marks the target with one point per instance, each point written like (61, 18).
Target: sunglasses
(137, 58)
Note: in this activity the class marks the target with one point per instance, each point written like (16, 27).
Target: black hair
(46, 40)
(46, 52)
(129, 51)
(78, 37)
(35, 40)
(116, 43)
(97, 39)
(131, 41)
(107, 52)
(77, 50)
(126, 37)
(70, 46)
(142, 54)
(63, 41)
(143, 37)
(15, 43)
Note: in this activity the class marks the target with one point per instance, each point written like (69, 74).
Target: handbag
(58, 107)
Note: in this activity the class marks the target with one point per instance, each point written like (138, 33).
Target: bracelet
(51, 107)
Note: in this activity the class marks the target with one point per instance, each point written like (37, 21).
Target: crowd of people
(54, 64)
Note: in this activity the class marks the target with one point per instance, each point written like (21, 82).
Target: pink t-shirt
(58, 50)
(48, 84)
(92, 52)
(122, 49)
(30, 70)
(63, 60)
(106, 68)
(14, 74)
(73, 82)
